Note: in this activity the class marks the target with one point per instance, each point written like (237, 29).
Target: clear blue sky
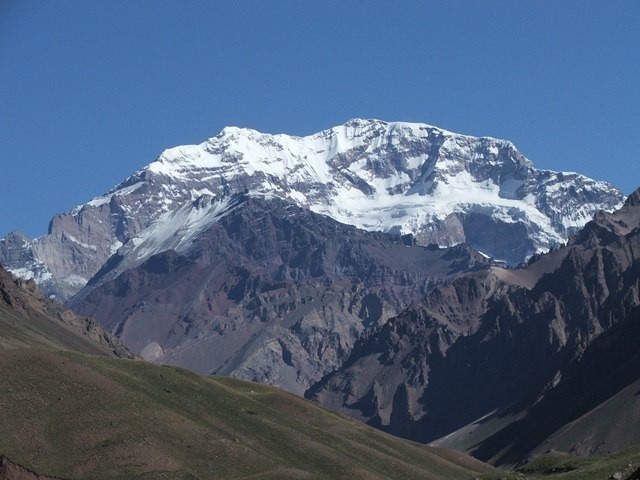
(90, 91)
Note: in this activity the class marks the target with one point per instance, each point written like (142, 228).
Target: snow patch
(78, 242)
(176, 229)
(39, 272)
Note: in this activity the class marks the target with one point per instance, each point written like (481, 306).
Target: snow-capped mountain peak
(398, 177)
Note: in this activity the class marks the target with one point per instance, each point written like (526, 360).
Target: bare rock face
(527, 351)
(401, 178)
(270, 293)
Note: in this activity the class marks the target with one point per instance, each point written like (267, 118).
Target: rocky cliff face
(526, 351)
(397, 177)
(270, 292)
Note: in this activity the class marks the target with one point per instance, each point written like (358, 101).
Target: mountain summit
(397, 177)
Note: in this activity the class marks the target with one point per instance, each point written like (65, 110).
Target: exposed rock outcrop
(29, 320)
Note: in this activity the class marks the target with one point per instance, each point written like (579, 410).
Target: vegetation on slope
(70, 415)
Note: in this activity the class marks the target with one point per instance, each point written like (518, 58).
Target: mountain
(71, 415)
(281, 260)
(270, 292)
(509, 364)
(396, 177)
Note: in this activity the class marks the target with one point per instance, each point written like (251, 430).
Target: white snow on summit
(398, 177)
(375, 175)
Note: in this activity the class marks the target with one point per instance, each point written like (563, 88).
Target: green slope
(70, 415)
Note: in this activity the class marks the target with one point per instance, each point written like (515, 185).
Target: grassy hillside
(70, 415)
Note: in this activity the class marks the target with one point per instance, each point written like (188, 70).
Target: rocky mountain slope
(28, 320)
(396, 177)
(71, 415)
(270, 292)
(509, 363)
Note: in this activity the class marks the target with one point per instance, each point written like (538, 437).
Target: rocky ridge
(29, 320)
(496, 361)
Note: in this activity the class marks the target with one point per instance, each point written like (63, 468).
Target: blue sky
(91, 91)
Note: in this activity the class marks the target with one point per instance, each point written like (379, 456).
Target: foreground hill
(69, 415)
(507, 364)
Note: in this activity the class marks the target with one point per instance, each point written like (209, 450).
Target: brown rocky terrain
(71, 410)
(270, 293)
